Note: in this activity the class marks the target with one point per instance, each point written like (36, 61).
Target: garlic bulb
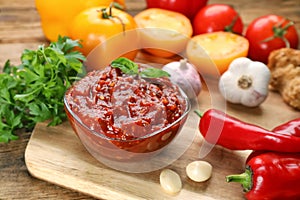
(245, 82)
(186, 76)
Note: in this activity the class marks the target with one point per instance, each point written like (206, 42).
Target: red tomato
(217, 17)
(187, 7)
(268, 33)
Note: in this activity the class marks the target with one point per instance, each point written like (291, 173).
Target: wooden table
(20, 29)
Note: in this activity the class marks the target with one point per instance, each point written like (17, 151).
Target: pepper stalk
(244, 178)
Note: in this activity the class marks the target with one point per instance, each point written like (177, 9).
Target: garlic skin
(245, 82)
(186, 76)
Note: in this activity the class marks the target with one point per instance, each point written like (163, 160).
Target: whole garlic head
(245, 82)
(186, 76)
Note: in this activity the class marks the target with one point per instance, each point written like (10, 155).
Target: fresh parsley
(33, 91)
(131, 68)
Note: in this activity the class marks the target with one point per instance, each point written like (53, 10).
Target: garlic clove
(199, 171)
(170, 181)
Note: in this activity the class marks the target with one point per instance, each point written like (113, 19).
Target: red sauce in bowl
(127, 108)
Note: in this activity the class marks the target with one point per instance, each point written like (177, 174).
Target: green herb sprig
(33, 91)
(131, 68)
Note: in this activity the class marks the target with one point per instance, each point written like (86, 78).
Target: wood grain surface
(56, 155)
(20, 29)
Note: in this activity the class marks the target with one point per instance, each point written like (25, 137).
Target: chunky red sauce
(123, 106)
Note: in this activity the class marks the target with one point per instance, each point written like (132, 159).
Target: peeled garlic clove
(199, 171)
(170, 181)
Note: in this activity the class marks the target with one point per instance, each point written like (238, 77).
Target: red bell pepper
(270, 175)
(219, 128)
(291, 127)
(187, 7)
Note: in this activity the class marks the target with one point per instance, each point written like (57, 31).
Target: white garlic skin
(250, 95)
(186, 76)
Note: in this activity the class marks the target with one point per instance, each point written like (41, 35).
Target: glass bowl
(103, 148)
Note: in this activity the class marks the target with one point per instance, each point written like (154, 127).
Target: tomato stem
(110, 9)
(109, 15)
(105, 15)
(118, 6)
(279, 32)
(229, 28)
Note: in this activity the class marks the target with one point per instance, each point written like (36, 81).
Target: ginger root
(284, 65)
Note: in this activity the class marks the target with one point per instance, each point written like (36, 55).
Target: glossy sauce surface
(123, 106)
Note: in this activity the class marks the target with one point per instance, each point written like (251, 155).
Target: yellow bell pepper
(56, 15)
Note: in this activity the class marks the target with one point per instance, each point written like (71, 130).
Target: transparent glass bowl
(103, 147)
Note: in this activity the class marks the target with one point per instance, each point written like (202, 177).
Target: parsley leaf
(33, 91)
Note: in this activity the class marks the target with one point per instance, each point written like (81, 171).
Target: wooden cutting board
(56, 155)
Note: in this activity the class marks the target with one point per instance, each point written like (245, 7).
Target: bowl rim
(103, 136)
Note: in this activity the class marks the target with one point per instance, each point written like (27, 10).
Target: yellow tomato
(113, 30)
(56, 15)
(163, 33)
(212, 53)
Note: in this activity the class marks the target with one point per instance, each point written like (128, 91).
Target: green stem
(110, 15)
(198, 113)
(110, 9)
(229, 28)
(118, 6)
(105, 15)
(286, 42)
(279, 32)
(245, 179)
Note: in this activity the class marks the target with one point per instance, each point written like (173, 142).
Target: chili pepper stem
(244, 178)
(198, 113)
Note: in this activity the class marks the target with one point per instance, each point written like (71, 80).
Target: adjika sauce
(123, 106)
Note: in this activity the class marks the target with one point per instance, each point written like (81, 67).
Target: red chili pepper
(219, 128)
(270, 175)
(291, 127)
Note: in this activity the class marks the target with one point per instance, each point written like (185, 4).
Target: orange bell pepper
(56, 15)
